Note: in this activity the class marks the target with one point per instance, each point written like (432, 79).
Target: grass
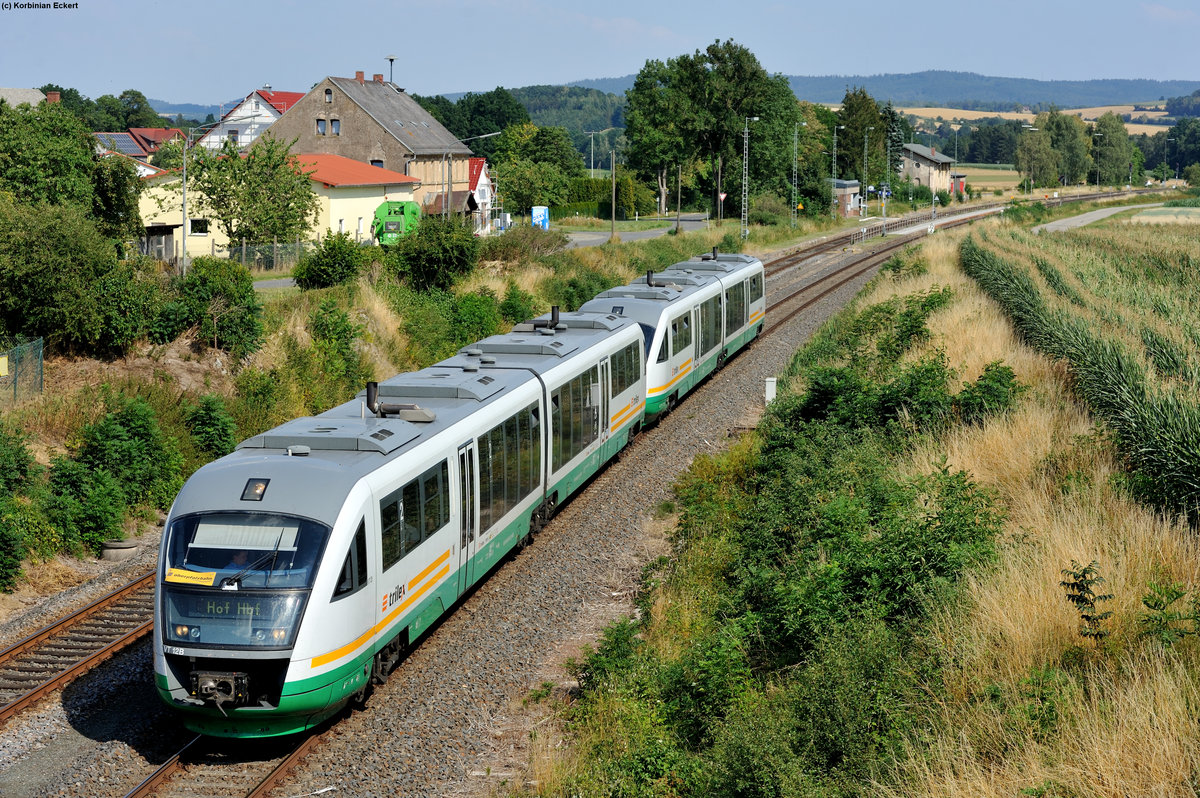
(1008, 698)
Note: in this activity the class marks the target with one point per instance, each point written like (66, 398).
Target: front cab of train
(233, 590)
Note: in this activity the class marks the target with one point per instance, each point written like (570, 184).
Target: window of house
(377, 162)
(341, 225)
(198, 227)
(360, 226)
(256, 107)
(232, 134)
(335, 127)
(329, 95)
(320, 127)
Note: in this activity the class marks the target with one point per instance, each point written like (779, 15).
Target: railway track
(63, 651)
(209, 767)
(212, 772)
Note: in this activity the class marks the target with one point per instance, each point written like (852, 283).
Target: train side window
(756, 288)
(412, 514)
(662, 351)
(354, 570)
(681, 334)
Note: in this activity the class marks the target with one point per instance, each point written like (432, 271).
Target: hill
(966, 90)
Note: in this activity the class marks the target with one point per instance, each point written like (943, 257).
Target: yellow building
(348, 191)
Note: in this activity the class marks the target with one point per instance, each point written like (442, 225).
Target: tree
(115, 198)
(46, 156)
(256, 197)
(138, 111)
(541, 145)
(653, 116)
(896, 129)
(1113, 151)
(1036, 160)
(1070, 143)
(525, 183)
(863, 120)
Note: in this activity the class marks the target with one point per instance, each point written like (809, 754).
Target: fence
(274, 255)
(879, 228)
(21, 372)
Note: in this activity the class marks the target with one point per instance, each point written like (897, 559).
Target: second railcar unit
(695, 315)
(294, 571)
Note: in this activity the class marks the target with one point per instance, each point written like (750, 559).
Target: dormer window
(329, 95)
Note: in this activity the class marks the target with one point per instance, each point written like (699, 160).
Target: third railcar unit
(695, 315)
(295, 570)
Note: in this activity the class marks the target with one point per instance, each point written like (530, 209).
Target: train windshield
(239, 580)
(232, 551)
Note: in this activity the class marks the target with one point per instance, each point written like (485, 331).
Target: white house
(249, 118)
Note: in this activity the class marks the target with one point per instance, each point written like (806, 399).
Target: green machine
(394, 219)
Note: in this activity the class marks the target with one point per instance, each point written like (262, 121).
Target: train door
(604, 387)
(468, 515)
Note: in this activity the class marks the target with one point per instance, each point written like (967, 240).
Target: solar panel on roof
(123, 143)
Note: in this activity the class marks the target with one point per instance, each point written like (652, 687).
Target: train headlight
(184, 632)
(279, 635)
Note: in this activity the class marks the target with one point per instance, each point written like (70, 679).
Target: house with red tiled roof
(247, 120)
(350, 191)
(151, 138)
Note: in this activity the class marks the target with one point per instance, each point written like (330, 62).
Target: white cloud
(1158, 12)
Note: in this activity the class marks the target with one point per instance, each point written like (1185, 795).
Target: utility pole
(746, 176)
(833, 173)
(612, 159)
(862, 211)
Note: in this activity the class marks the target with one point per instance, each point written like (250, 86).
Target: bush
(334, 335)
(768, 209)
(995, 392)
(517, 305)
(128, 300)
(218, 295)
(16, 462)
(336, 261)
(129, 446)
(87, 505)
(12, 548)
(211, 426)
(439, 251)
(520, 242)
(476, 316)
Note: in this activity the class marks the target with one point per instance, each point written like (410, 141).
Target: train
(296, 571)
(393, 220)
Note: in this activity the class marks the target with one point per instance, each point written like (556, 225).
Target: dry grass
(1124, 721)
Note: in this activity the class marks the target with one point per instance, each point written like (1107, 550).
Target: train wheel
(672, 403)
(721, 358)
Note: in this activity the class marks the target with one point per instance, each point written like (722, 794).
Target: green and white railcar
(294, 571)
(695, 316)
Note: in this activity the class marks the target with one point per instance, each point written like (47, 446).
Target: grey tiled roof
(15, 97)
(402, 116)
(924, 152)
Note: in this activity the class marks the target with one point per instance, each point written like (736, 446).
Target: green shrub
(219, 295)
(995, 392)
(211, 426)
(517, 305)
(618, 645)
(476, 316)
(520, 242)
(16, 463)
(87, 505)
(26, 516)
(336, 261)
(437, 253)
(129, 445)
(12, 547)
(768, 209)
(334, 336)
(570, 288)
(129, 300)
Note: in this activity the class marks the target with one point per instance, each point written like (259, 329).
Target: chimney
(360, 77)
(378, 78)
(53, 97)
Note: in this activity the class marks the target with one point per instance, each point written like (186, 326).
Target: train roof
(312, 460)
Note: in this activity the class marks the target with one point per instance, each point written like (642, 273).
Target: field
(955, 115)
(1168, 216)
(988, 177)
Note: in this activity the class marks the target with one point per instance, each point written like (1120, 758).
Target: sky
(218, 51)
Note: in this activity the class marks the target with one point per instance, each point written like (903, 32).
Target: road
(1089, 217)
(688, 223)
